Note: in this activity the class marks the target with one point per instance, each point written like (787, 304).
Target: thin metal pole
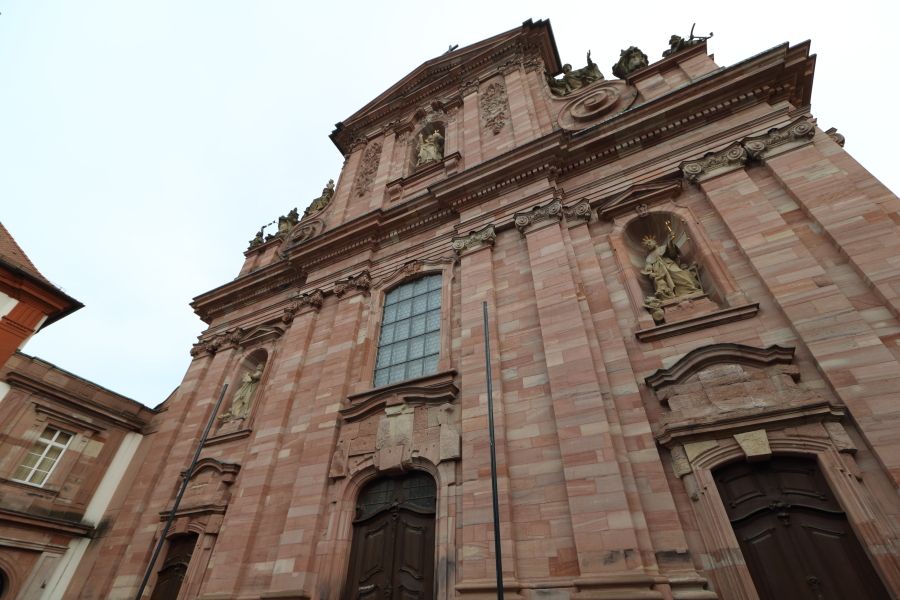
(185, 478)
(496, 498)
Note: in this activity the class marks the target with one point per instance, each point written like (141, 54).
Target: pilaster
(604, 532)
(476, 550)
(859, 368)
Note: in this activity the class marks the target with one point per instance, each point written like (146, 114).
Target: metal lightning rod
(496, 499)
(185, 477)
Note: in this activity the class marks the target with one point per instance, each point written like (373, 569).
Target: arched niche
(663, 253)
(243, 391)
(427, 145)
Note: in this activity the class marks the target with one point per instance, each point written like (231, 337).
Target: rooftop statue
(574, 79)
(322, 201)
(630, 60)
(678, 43)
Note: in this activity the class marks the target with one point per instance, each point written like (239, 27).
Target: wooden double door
(392, 556)
(793, 534)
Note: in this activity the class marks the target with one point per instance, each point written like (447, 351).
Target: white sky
(142, 143)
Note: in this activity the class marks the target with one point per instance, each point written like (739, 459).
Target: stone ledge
(720, 317)
(227, 437)
(432, 389)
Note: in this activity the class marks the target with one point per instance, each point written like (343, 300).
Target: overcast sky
(142, 143)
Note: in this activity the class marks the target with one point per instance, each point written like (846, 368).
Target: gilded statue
(430, 147)
(322, 201)
(670, 280)
(574, 79)
(240, 402)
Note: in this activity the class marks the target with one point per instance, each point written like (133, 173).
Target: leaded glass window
(42, 457)
(410, 342)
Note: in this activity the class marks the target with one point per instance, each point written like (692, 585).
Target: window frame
(48, 443)
(427, 330)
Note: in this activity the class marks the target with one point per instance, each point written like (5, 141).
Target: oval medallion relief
(596, 103)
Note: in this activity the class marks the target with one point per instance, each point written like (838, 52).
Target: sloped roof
(14, 259)
(13, 255)
(442, 75)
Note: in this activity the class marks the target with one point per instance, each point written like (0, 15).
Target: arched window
(409, 344)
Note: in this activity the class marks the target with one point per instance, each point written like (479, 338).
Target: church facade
(693, 299)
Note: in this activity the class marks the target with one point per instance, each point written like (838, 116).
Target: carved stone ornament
(678, 43)
(835, 136)
(550, 211)
(603, 101)
(477, 239)
(758, 146)
(580, 211)
(494, 107)
(306, 230)
(630, 60)
(361, 282)
(313, 299)
(731, 157)
(320, 203)
(368, 167)
(219, 341)
(573, 80)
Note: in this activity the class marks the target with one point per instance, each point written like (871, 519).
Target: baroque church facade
(694, 328)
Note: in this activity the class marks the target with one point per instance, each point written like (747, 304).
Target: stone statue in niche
(630, 60)
(429, 148)
(671, 280)
(322, 201)
(240, 402)
(574, 79)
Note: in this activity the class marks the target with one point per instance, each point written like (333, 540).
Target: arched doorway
(793, 533)
(392, 556)
(171, 576)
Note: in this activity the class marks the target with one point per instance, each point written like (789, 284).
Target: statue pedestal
(230, 426)
(686, 307)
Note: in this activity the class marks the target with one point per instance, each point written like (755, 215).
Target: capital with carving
(552, 211)
(578, 212)
(784, 138)
(313, 299)
(482, 238)
(729, 159)
(361, 282)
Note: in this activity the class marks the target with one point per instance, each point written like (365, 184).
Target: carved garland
(494, 107)
(368, 167)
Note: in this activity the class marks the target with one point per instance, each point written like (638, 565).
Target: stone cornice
(75, 405)
(247, 289)
(777, 140)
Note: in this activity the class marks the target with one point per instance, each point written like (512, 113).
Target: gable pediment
(440, 79)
